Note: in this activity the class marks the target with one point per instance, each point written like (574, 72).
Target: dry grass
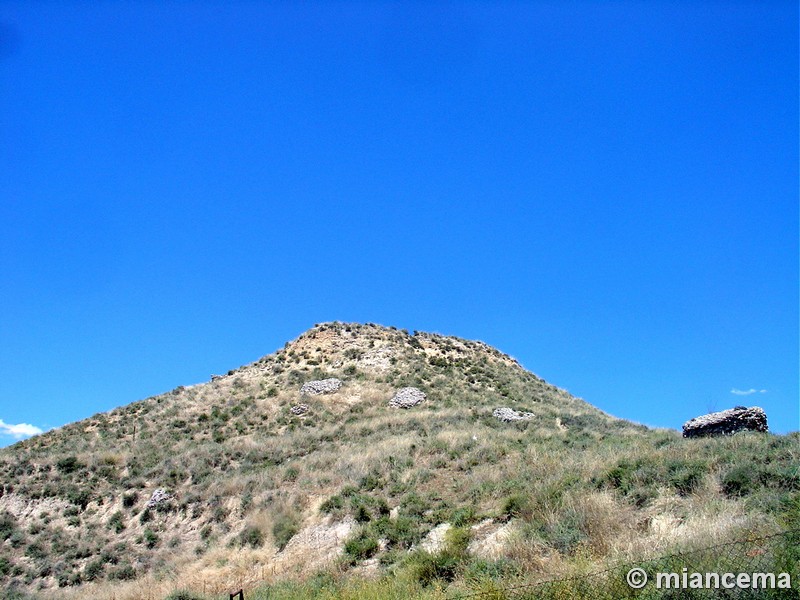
(576, 487)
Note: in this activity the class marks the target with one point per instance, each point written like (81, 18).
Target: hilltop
(306, 461)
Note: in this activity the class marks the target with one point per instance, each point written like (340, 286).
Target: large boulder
(727, 422)
(321, 386)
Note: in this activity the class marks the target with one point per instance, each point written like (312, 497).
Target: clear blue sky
(607, 191)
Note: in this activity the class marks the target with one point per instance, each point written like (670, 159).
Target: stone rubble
(299, 409)
(160, 496)
(407, 397)
(507, 415)
(321, 386)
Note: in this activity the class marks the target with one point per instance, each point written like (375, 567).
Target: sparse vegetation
(572, 487)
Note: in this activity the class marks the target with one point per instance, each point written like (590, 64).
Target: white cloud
(747, 392)
(19, 430)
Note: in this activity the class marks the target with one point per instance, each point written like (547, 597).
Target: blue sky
(607, 191)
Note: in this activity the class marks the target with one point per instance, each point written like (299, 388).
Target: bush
(79, 497)
(93, 570)
(183, 595)
(150, 538)
(425, 568)
(252, 536)
(401, 532)
(129, 500)
(370, 482)
(332, 504)
(116, 522)
(567, 532)
(686, 477)
(35, 550)
(462, 516)
(5, 566)
(122, 573)
(284, 529)
(445, 565)
(69, 464)
(739, 481)
(8, 525)
(361, 546)
(515, 506)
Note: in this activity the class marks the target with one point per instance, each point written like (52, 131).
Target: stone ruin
(407, 397)
(507, 415)
(321, 386)
(299, 409)
(726, 422)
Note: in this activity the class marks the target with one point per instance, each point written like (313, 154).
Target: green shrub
(122, 573)
(686, 477)
(183, 595)
(93, 570)
(284, 529)
(252, 536)
(515, 506)
(739, 481)
(8, 525)
(365, 508)
(425, 568)
(401, 532)
(150, 538)
(567, 532)
(498, 570)
(129, 500)
(332, 504)
(16, 539)
(116, 522)
(370, 482)
(362, 514)
(205, 532)
(361, 546)
(456, 541)
(35, 550)
(79, 497)
(5, 566)
(69, 464)
(638, 480)
(413, 505)
(445, 565)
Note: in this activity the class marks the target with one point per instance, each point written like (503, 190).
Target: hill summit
(350, 450)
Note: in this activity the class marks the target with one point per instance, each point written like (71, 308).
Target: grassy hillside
(440, 494)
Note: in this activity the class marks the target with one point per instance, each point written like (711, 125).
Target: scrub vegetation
(257, 493)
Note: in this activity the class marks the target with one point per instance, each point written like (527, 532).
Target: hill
(361, 451)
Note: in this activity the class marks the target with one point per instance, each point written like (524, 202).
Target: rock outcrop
(407, 397)
(726, 422)
(507, 415)
(159, 498)
(299, 409)
(321, 386)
